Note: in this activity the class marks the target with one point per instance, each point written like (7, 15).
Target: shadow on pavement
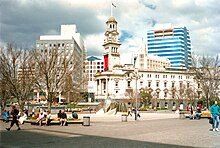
(56, 139)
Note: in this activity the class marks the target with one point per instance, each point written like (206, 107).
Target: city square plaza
(156, 129)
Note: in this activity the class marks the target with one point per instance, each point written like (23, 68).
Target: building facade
(144, 61)
(68, 44)
(93, 65)
(172, 43)
(168, 87)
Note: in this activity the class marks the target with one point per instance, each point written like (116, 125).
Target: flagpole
(111, 7)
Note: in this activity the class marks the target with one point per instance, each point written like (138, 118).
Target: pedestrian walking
(5, 116)
(215, 116)
(129, 111)
(14, 113)
(138, 113)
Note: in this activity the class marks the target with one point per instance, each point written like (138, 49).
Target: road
(151, 130)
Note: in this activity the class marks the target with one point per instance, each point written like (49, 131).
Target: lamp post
(136, 95)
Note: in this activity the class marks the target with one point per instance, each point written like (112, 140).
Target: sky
(23, 21)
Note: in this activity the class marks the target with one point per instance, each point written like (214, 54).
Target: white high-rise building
(70, 42)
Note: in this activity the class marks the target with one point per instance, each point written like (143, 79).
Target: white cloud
(135, 17)
(94, 44)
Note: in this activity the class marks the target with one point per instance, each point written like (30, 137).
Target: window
(181, 84)
(149, 84)
(104, 84)
(188, 85)
(158, 104)
(198, 85)
(157, 84)
(173, 84)
(165, 84)
(158, 93)
(116, 84)
(165, 94)
(129, 83)
(141, 83)
(116, 91)
(141, 55)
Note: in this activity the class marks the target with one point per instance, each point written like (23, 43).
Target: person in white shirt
(40, 118)
(22, 118)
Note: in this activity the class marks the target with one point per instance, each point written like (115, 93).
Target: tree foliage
(58, 72)
(207, 75)
(16, 76)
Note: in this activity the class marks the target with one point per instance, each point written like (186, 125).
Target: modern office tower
(172, 43)
(111, 45)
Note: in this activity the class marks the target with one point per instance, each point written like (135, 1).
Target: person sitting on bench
(63, 118)
(74, 115)
(40, 118)
(48, 118)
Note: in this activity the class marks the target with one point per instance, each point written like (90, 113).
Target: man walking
(215, 116)
(14, 113)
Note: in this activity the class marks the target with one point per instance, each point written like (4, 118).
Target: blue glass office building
(171, 43)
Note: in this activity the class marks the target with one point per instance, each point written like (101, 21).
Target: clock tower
(111, 45)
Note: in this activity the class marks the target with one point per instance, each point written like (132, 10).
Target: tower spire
(112, 4)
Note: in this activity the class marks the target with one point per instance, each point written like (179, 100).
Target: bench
(182, 114)
(54, 122)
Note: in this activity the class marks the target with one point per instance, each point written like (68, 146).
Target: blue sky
(23, 21)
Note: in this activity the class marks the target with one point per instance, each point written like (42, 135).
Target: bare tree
(207, 75)
(146, 96)
(58, 72)
(16, 77)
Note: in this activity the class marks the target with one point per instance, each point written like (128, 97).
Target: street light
(136, 76)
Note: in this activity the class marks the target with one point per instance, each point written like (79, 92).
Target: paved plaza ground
(107, 131)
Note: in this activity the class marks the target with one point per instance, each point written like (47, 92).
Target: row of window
(94, 63)
(56, 45)
(93, 71)
(165, 76)
(95, 67)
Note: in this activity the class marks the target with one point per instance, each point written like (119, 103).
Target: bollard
(124, 118)
(86, 121)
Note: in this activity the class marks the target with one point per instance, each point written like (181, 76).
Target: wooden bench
(54, 122)
(182, 114)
